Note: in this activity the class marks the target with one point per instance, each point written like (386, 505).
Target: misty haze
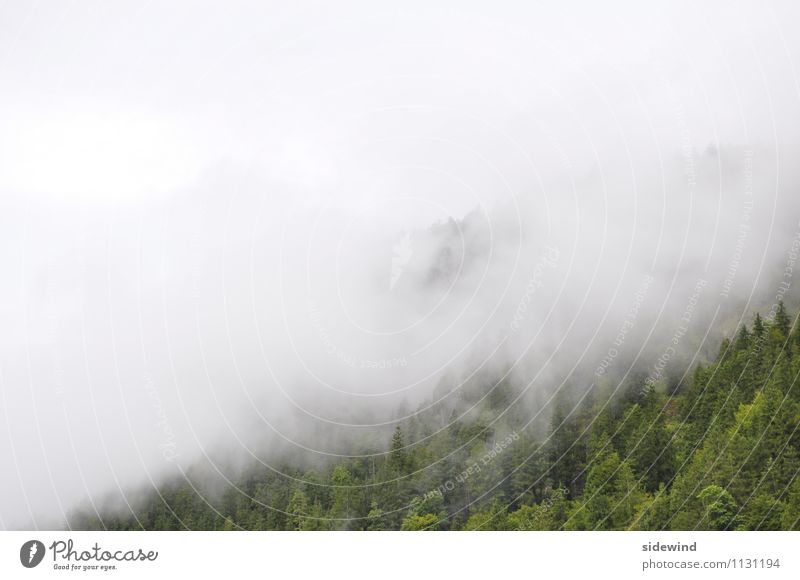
(438, 266)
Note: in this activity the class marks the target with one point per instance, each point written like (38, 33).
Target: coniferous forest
(716, 451)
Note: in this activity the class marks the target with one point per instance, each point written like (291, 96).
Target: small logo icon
(402, 254)
(31, 553)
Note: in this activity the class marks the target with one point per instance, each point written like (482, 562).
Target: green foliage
(720, 507)
(612, 495)
(424, 522)
(492, 517)
(790, 518)
(551, 514)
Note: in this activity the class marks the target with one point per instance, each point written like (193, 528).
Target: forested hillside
(719, 451)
